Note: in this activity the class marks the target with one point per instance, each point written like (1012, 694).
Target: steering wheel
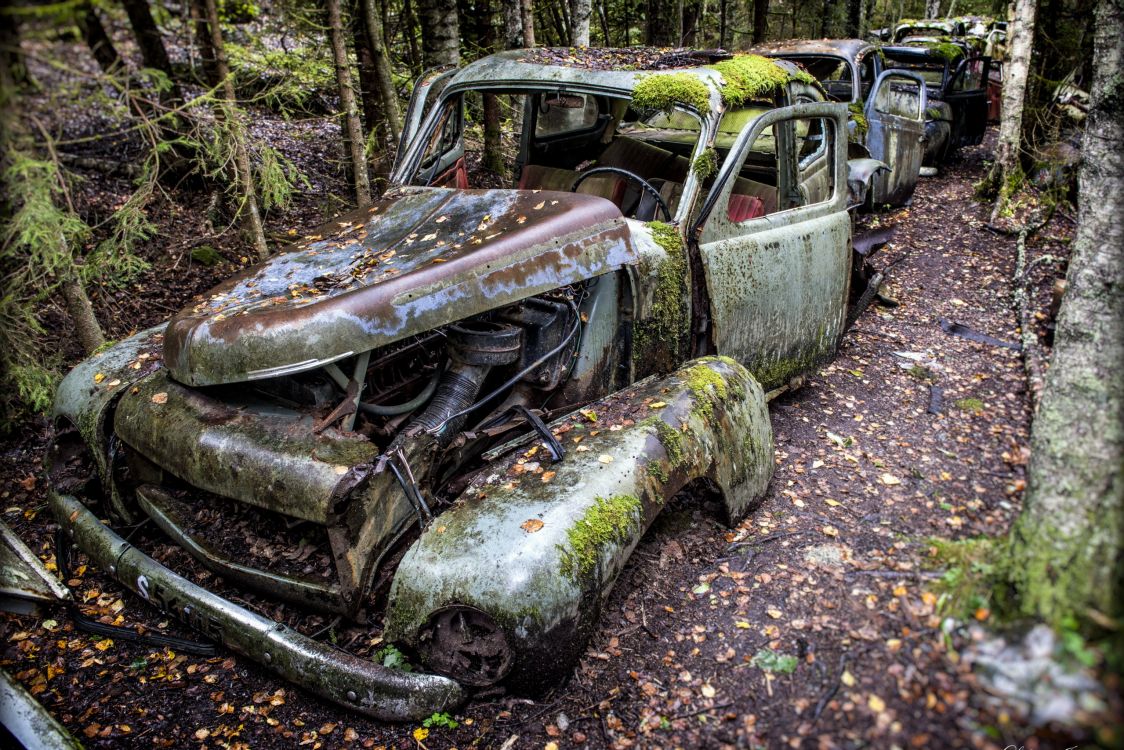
(644, 184)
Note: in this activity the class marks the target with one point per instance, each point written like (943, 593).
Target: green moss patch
(608, 520)
(664, 91)
(749, 78)
(970, 404)
(708, 387)
(706, 163)
(672, 441)
(948, 51)
(661, 336)
(857, 117)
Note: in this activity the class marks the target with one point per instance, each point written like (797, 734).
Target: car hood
(416, 259)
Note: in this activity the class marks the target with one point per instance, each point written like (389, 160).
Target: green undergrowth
(970, 576)
(286, 81)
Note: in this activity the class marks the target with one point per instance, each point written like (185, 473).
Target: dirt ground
(817, 622)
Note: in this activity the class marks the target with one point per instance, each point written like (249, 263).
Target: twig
(689, 714)
(826, 697)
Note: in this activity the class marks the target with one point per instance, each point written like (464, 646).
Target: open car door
(774, 242)
(427, 88)
(966, 93)
(895, 116)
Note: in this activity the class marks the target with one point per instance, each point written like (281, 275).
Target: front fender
(530, 550)
(860, 179)
(85, 396)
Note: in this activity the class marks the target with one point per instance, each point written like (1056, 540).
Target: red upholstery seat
(744, 207)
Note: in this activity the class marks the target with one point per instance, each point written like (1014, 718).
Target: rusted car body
(472, 403)
(958, 86)
(887, 108)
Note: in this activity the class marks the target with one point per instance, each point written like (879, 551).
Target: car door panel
(895, 115)
(777, 285)
(966, 94)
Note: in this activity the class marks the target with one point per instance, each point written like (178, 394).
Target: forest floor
(822, 620)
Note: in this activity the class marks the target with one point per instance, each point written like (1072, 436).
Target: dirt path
(811, 624)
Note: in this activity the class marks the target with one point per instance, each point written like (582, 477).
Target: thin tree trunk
(81, 313)
(825, 22)
(441, 32)
(1020, 39)
(760, 21)
(383, 77)
(854, 18)
(149, 40)
(603, 16)
(348, 104)
(1067, 545)
(101, 46)
(206, 46)
(722, 20)
(580, 11)
(229, 114)
(410, 22)
(528, 12)
(932, 8)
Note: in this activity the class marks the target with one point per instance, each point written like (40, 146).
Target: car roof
(603, 68)
(846, 48)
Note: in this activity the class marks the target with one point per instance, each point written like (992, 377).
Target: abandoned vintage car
(958, 93)
(887, 108)
(472, 403)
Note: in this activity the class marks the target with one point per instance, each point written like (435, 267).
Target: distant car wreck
(460, 409)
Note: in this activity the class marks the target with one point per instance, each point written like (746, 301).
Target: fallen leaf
(160, 398)
(889, 479)
(605, 458)
(847, 678)
(708, 690)
(876, 704)
(531, 525)
(99, 377)
(776, 614)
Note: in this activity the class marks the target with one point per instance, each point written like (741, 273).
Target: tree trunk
(932, 8)
(1066, 547)
(81, 313)
(383, 78)
(440, 32)
(207, 56)
(723, 40)
(854, 19)
(526, 8)
(825, 22)
(101, 46)
(351, 126)
(580, 12)
(410, 31)
(151, 43)
(512, 23)
(1007, 170)
(760, 21)
(228, 114)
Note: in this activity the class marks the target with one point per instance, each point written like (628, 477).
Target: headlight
(465, 644)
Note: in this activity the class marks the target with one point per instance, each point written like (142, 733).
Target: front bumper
(353, 682)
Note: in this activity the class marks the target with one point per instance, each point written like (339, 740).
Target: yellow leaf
(708, 690)
(776, 614)
(899, 591)
(531, 525)
(847, 678)
(830, 530)
(658, 404)
(102, 645)
(832, 503)
(742, 624)
(421, 733)
(890, 479)
(876, 704)
(99, 377)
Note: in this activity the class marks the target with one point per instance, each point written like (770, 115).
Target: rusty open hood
(416, 259)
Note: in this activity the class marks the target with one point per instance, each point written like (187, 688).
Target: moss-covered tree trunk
(1066, 547)
(440, 29)
(580, 12)
(1007, 170)
(349, 104)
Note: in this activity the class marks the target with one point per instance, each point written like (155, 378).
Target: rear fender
(537, 547)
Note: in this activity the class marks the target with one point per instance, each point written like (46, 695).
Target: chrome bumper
(352, 682)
